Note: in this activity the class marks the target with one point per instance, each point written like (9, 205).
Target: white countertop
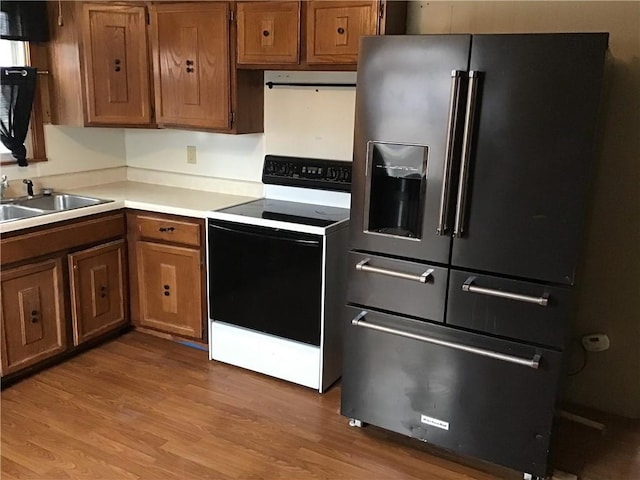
(143, 196)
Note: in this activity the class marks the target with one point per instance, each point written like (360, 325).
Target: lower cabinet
(62, 285)
(32, 314)
(98, 295)
(167, 273)
(169, 279)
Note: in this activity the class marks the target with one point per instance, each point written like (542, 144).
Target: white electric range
(277, 273)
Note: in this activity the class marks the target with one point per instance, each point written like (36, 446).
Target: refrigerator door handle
(422, 278)
(468, 286)
(359, 321)
(454, 101)
(458, 228)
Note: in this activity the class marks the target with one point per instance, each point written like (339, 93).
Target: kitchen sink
(25, 207)
(59, 201)
(17, 212)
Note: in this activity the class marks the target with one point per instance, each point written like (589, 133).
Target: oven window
(266, 279)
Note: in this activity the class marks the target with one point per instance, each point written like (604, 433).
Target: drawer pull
(166, 229)
(531, 363)
(468, 286)
(422, 278)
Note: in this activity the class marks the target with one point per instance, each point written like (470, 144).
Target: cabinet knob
(189, 62)
(168, 229)
(103, 291)
(116, 64)
(189, 70)
(340, 30)
(34, 316)
(166, 294)
(117, 69)
(265, 33)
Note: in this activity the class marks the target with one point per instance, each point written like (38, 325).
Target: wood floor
(141, 407)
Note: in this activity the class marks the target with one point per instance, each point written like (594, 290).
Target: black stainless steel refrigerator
(472, 157)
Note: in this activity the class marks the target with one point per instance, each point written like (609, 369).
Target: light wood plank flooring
(141, 407)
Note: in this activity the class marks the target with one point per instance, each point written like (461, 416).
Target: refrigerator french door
(472, 159)
(485, 138)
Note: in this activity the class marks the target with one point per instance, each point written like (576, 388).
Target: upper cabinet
(311, 35)
(168, 64)
(195, 84)
(116, 73)
(99, 65)
(268, 32)
(334, 30)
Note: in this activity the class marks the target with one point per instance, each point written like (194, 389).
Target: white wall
(70, 150)
(298, 121)
(310, 121)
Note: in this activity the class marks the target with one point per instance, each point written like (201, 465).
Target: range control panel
(307, 172)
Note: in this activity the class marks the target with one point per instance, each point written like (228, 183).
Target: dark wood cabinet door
(97, 290)
(334, 29)
(191, 64)
(117, 65)
(268, 32)
(32, 314)
(170, 288)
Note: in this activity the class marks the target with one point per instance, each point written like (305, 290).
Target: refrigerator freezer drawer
(515, 309)
(476, 405)
(410, 288)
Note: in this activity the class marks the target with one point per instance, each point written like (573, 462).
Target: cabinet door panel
(32, 314)
(334, 30)
(97, 290)
(169, 283)
(191, 64)
(268, 32)
(117, 73)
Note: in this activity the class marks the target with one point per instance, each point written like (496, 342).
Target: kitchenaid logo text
(434, 422)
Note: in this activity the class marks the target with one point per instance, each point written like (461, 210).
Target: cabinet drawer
(175, 231)
(409, 288)
(456, 393)
(508, 308)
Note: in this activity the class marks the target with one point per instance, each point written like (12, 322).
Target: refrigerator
(472, 160)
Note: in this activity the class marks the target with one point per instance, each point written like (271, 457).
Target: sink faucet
(29, 185)
(4, 184)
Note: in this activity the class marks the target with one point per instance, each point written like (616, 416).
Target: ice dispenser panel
(396, 185)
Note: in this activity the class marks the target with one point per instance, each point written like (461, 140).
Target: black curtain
(25, 21)
(16, 99)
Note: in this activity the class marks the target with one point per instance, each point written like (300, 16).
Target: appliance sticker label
(434, 422)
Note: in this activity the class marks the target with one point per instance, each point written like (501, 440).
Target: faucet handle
(29, 184)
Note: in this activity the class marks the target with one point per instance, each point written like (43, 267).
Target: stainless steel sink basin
(16, 212)
(59, 201)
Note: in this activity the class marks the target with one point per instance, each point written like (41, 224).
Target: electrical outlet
(191, 154)
(595, 342)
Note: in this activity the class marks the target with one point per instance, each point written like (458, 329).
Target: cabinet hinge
(381, 9)
(147, 18)
(232, 117)
(232, 16)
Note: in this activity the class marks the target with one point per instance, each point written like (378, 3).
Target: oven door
(266, 279)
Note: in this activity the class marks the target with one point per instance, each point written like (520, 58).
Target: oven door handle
(534, 362)
(298, 241)
(422, 278)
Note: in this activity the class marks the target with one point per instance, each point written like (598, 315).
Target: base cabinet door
(97, 290)
(169, 288)
(32, 315)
